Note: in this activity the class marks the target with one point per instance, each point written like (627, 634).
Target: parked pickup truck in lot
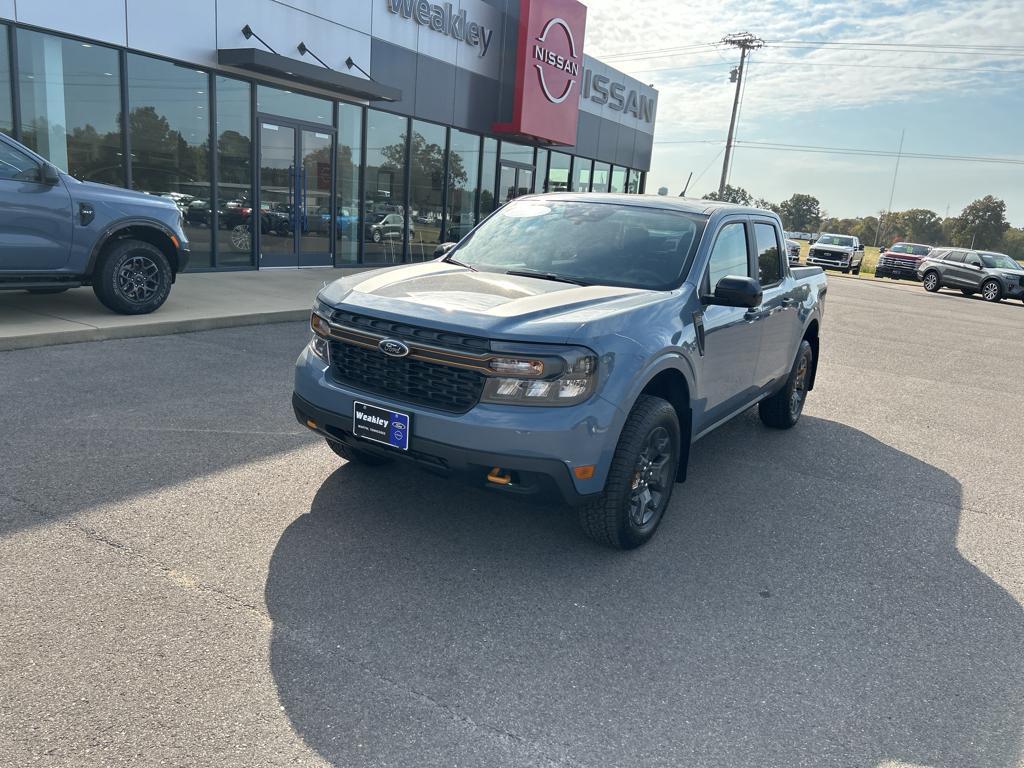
(837, 252)
(901, 260)
(571, 344)
(57, 233)
(994, 275)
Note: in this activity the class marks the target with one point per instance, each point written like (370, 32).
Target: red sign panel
(549, 70)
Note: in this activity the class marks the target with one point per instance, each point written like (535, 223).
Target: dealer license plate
(380, 425)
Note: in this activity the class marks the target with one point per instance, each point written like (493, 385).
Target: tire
(846, 270)
(782, 410)
(132, 277)
(856, 269)
(967, 292)
(640, 482)
(932, 282)
(357, 456)
(991, 290)
(46, 291)
(241, 237)
(376, 236)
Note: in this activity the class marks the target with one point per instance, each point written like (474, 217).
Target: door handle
(787, 303)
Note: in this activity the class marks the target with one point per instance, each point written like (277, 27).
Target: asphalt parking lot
(189, 578)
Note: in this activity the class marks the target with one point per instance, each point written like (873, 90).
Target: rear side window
(729, 255)
(769, 255)
(957, 257)
(16, 165)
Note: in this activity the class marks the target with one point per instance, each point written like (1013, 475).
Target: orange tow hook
(496, 476)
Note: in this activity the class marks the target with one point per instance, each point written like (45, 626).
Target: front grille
(438, 386)
(895, 262)
(389, 328)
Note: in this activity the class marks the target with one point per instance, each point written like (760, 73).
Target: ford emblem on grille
(393, 348)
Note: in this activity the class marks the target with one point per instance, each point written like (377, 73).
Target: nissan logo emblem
(393, 348)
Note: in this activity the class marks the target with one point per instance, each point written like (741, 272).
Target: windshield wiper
(545, 276)
(458, 263)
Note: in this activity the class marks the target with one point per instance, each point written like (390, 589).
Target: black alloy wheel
(649, 489)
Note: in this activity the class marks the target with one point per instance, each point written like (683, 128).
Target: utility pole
(745, 42)
(892, 190)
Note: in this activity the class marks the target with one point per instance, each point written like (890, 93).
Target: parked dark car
(792, 252)
(994, 275)
(386, 226)
(57, 232)
(901, 260)
(197, 213)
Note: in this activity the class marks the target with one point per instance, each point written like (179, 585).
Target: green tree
(731, 194)
(1013, 243)
(919, 225)
(981, 224)
(801, 213)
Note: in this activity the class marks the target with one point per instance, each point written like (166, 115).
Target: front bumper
(540, 446)
(829, 262)
(897, 272)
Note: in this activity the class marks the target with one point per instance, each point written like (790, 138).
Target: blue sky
(951, 102)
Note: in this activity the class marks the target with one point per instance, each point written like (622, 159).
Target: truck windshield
(590, 243)
(999, 261)
(915, 250)
(835, 240)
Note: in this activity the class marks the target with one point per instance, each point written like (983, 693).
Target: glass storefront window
(488, 179)
(542, 171)
(234, 169)
(426, 188)
(70, 95)
(618, 179)
(599, 179)
(169, 135)
(632, 181)
(643, 181)
(346, 185)
(6, 114)
(298, 106)
(558, 172)
(463, 167)
(384, 205)
(581, 171)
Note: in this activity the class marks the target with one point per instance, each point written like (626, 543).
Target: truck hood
(449, 297)
(120, 198)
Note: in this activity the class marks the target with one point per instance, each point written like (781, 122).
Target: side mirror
(48, 174)
(733, 291)
(442, 249)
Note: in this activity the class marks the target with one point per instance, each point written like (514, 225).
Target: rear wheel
(133, 277)
(640, 480)
(348, 453)
(991, 290)
(782, 410)
(931, 281)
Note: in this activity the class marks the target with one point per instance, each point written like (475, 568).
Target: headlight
(321, 328)
(566, 378)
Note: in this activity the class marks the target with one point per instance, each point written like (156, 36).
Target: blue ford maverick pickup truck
(572, 344)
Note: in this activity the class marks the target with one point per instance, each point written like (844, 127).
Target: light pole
(745, 42)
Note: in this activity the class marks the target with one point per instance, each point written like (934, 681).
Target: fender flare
(121, 224)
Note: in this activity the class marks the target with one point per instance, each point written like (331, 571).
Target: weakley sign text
(442, 18)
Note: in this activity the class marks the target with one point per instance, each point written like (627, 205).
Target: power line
(761, 62)
(895, 49)
(814, 149)
(897, 45)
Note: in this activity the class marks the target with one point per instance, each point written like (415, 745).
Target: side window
(957, 257)
(729, 255)
(16, 165)
(769, 255)
(973, 258)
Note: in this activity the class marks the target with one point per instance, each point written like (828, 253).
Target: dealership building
(300, 133)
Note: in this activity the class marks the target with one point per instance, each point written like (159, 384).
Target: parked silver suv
(994, 275)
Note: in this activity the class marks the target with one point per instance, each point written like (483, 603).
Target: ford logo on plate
(393, 348)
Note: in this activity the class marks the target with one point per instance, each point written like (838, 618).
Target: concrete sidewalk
(198, 302)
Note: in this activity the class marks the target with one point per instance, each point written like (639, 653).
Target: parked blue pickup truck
(570, 344)
(57, 232)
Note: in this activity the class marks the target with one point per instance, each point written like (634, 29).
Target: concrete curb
(165, 328)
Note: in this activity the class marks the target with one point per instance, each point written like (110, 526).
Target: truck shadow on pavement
(796, 608)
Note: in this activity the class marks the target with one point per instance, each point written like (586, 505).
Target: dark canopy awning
(267, 63)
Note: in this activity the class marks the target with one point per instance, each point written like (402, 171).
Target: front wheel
(931, 281)
(782, 410)
(991, 290)
(640, 480)
(133, 277)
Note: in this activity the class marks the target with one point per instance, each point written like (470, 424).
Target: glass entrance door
(514, 180)
(295, 213)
